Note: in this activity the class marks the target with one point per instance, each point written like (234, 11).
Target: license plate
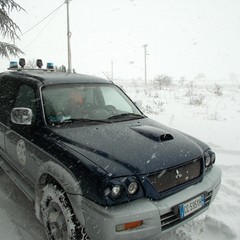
(191, 206)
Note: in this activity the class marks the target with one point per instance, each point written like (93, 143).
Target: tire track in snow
(8, 229)
(17, 216)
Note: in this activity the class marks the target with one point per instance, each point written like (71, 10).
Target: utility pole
(69, 69)
(145, 63)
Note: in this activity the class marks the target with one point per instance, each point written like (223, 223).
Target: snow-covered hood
(132, 147)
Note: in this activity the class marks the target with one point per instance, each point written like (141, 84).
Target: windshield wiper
(92, 120)
(127, 115)
(82, 120)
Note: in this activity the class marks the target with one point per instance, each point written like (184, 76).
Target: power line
(41, 30)
(42, 20)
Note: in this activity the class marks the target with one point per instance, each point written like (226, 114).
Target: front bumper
(101, 222)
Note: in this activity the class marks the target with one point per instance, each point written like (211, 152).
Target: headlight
(116, 191)
(132, 188)
(122, 189)
(213, 158)
(209, 159)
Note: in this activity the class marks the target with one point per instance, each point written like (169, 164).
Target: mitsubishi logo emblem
(178, 174)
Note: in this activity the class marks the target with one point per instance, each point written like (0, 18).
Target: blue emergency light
(50, 65)
(13, 64)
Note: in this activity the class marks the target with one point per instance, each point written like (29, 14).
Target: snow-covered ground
(205, 112)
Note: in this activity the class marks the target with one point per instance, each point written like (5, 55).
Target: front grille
(172, 218)
(170, 178)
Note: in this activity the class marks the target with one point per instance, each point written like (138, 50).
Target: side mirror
(22, 116)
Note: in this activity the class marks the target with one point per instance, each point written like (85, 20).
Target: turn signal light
(128, 226)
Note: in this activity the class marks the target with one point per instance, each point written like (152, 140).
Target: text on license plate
(191, 206)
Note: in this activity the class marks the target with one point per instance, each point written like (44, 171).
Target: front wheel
(58, 217)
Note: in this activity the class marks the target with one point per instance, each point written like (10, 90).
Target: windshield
(87, 103)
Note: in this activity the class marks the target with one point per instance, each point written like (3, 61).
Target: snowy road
(17, 217)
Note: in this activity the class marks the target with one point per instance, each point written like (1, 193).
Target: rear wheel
(59, 219)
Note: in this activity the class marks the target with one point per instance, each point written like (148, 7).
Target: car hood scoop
(156, 134)
(129, 148)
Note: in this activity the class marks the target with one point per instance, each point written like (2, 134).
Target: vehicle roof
(52, 77)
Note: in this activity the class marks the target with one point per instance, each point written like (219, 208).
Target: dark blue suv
(93, 164)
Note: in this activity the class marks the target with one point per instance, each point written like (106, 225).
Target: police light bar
(22, 63)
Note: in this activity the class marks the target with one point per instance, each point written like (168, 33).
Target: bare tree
(8, 28)
(162, 80)
(200, 77)
(218, 90)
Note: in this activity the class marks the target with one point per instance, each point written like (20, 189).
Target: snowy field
(209, 113)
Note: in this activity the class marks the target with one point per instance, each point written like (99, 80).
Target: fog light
(132, 188)
(128, 226)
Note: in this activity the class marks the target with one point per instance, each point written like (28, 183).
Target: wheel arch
(51, 172)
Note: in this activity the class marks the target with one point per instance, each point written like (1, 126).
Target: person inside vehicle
(75, 103)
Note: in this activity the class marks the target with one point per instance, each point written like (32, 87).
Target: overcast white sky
(184, 37)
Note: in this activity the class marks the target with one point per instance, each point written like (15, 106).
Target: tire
(58, 217)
